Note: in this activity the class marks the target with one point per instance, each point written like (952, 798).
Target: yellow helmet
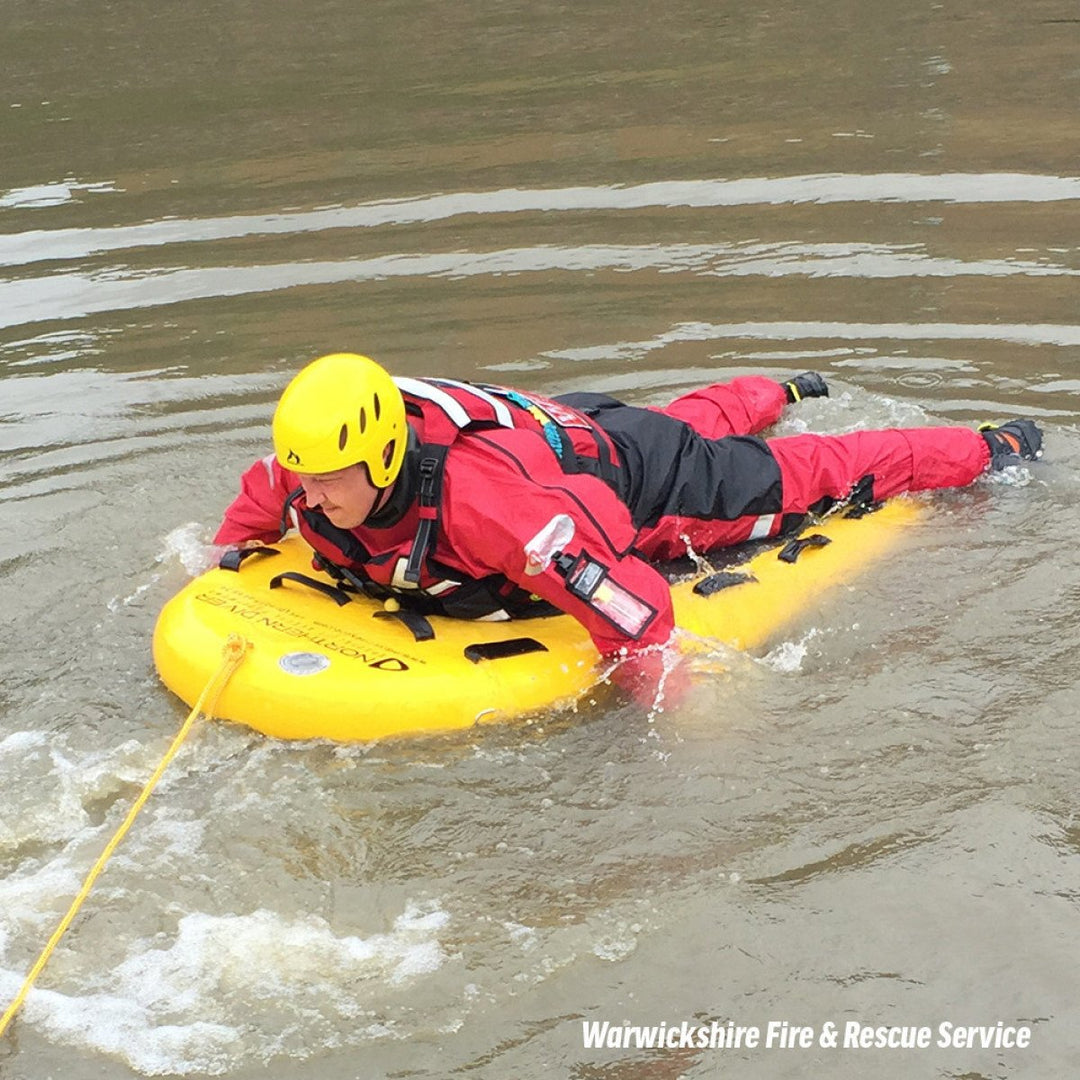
(338, 411)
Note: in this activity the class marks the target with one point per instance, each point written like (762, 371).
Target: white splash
(186, 544)
(47, 805)
(208, 999)
(1010, 476)
(788, 656)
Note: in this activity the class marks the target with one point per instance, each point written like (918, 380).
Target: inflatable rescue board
(321, 667)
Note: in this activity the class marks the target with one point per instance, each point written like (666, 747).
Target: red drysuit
(635, 483)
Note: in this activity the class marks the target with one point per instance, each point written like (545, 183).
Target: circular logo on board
(303, 663)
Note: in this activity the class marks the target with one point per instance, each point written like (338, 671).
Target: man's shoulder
(497, 446)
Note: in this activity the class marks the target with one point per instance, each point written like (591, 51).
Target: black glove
(808, 384)
(1018, 440)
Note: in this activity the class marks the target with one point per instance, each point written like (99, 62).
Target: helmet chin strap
(381, 499)
(394, 500)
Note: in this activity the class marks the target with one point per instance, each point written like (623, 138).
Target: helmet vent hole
(377, 406)
(363, 421)
(343, 436)
(388, 453)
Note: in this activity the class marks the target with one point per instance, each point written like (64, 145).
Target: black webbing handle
(339, 596)
(234, 558)
(422, 630)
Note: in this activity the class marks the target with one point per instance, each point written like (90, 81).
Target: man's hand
(808, 384)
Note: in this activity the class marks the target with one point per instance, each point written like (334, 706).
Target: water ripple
(1010, 333)
(78, 294)
(42, 245)
(1014, 333)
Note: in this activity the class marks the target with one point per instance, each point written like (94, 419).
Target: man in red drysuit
(483, 502)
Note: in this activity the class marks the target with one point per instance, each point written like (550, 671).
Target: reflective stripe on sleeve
(762, 527)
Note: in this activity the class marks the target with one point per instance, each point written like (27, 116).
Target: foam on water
(48, 804)
(233, 987)
(50, 837)
(23, 896)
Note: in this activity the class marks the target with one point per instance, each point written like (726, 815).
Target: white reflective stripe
(762, 527)
(294, 517)
(445, 401)
(441, 586)
(268, 465)
(502, 615)
(398, 580)
(502, 413)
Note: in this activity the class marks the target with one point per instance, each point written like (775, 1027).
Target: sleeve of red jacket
(497, 496)
(255, 514)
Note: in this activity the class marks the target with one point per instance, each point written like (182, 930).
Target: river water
(872, 822)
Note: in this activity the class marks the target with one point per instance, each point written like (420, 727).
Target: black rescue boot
(808, 384)
(1011, 443)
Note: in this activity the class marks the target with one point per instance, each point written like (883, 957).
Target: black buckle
(790, 552)
(429, 472)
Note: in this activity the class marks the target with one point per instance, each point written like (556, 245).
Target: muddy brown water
(873, 822)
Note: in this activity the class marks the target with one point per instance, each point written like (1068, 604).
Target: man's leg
(814, 467)
(818, 469)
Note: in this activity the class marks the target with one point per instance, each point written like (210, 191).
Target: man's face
(346, 496)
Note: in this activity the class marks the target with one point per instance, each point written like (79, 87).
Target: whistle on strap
(591, 582)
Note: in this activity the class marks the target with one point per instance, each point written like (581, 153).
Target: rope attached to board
(233, 653)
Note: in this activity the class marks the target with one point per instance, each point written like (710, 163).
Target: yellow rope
(232, 655)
